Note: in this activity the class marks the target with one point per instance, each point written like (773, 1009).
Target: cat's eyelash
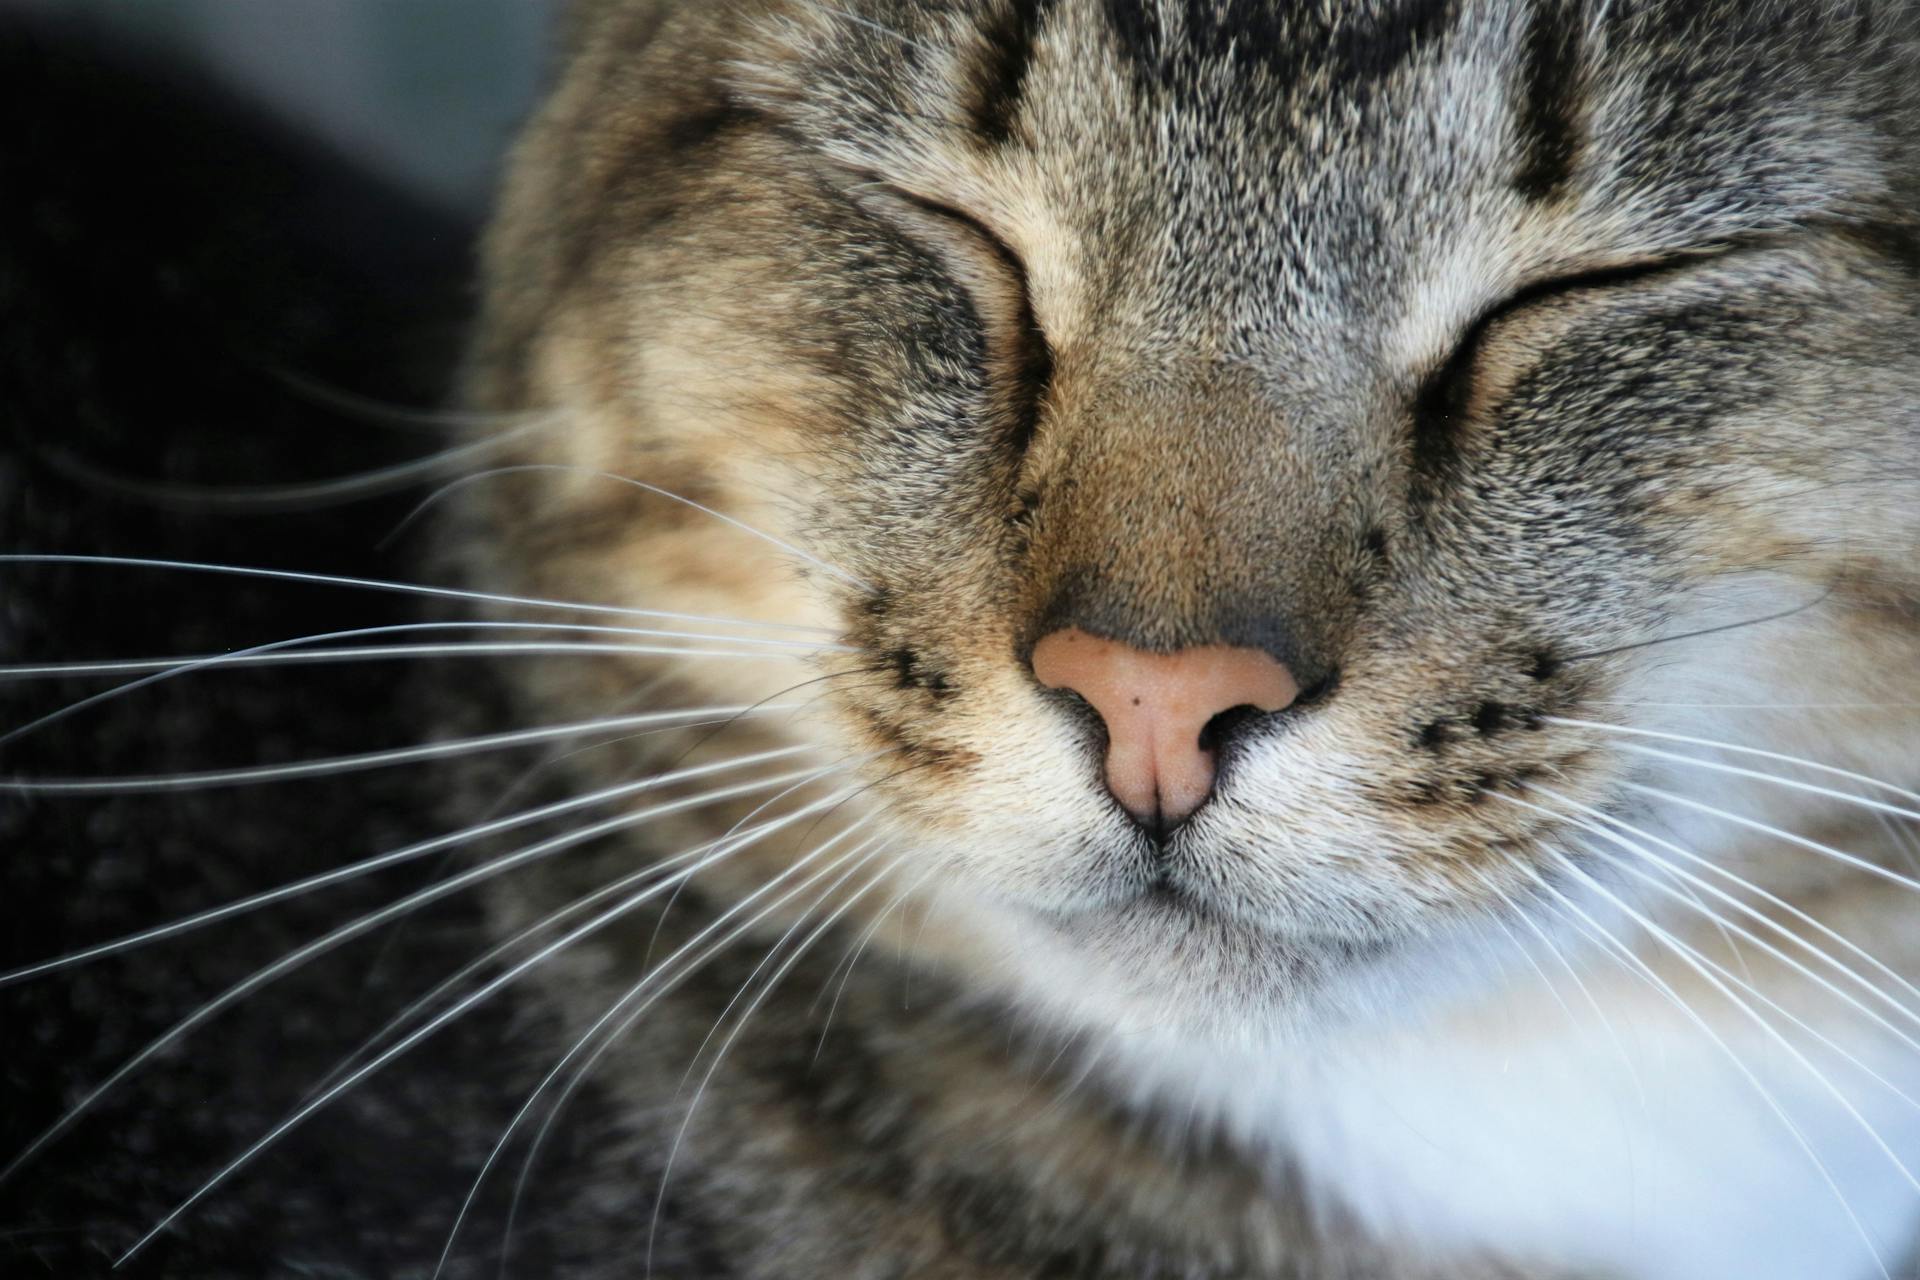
(1032, 371)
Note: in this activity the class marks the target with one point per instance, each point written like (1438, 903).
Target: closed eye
(1442, 399)
(1023, 354)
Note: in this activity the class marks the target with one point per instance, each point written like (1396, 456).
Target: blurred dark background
(419, 92)
(236, 251)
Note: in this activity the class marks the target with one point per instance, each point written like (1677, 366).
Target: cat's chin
(1164, 959)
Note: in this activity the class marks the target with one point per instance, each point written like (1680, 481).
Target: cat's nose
(1158, 708)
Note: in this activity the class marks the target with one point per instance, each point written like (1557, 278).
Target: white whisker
(1747, 983)
(217, 660)
(362, 924)
(1751, 824)
(381, 413)
(1828, 769)
(691, 718)
(404, 588)
(1765, 896)
(766, 989)
(767, 959)
(1606, 1023)
(1520, 949)
(382, 861)
(652, 976)
(854, 951)
(653, 939)
(598, 922)
(632, 993)
(566, 751)
(1683, 952)
(1741, 706)
(1759, 942)
(551, 467)
(766, 647)
(1792, 784)
(545, 924)
(300, 494)
(381, 653)
(1904, 838)
(870, 25)
(1627, 956)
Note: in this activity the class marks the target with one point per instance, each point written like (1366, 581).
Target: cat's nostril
(1216, 732)
(1167, 714)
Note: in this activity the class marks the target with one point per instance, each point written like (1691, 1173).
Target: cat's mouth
(1166, 894)
(1203, 879)
(1168, 954)
(1166, 887)
(1155, 924)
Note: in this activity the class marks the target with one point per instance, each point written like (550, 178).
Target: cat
(1228, 639)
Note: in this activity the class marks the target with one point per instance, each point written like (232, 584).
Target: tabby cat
(1232, 638)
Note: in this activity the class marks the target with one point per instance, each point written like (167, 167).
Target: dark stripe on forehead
(1549, 100)
(1369, 50)
(1357, 45)
(1137, 34)
(1008, 55)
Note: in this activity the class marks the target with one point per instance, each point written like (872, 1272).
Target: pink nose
(1155, 706)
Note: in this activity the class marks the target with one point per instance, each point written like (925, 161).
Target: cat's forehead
(1367, 129)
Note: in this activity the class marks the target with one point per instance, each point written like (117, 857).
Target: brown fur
(1460, 438)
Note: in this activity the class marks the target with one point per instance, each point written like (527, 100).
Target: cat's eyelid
(977, 228)
(1603, 273)
(1568, 280)
(1609, 273)
(946, 211)
(1441, 391)
(1031, 352)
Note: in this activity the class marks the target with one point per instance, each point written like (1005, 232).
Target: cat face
(1451, 359)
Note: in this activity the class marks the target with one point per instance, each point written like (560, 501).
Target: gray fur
(1451, 352)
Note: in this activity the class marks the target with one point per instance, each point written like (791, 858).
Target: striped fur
(1460, 353)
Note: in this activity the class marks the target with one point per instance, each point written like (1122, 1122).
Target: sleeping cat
(1230, 639)
(1259, 466)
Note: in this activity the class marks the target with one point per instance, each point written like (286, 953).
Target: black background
(175, 275)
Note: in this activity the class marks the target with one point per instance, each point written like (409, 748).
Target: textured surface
(160, 259)
(1501, 347)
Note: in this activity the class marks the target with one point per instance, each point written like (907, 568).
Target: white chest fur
(1550, 1144)
(1634, 1147)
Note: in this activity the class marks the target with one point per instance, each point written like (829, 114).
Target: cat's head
(1236, 441)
